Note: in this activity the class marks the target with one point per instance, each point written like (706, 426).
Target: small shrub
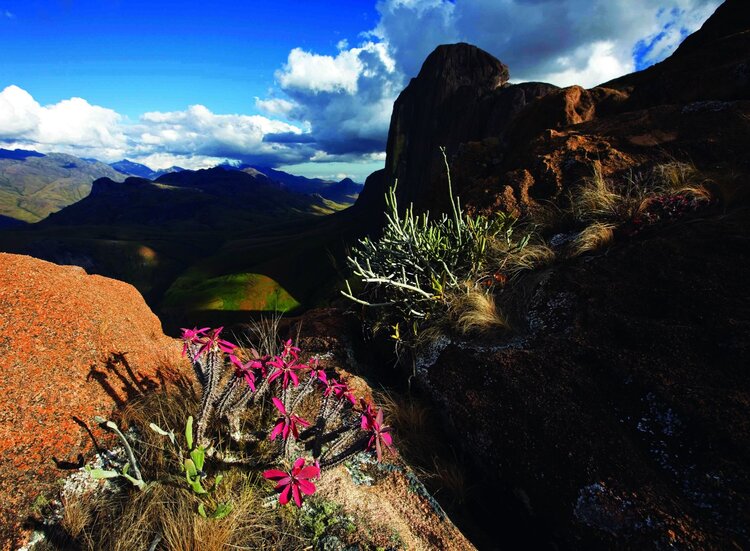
(413, 271)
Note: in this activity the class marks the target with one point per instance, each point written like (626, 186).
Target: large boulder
(72, 346)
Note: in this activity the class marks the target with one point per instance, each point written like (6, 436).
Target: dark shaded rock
(623, 416)
(711, 64)
(460, 95)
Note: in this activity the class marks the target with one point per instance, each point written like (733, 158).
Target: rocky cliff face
(511, 146)
(616, 410)
(460, 95)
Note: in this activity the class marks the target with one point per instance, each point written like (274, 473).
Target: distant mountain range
(344, 191)
(195, 240)
(34, 185)
(129, 168)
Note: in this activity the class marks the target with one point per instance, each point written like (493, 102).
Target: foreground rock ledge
(72, 346)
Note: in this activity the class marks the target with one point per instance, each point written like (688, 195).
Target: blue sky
(136, 56)
(304, 85)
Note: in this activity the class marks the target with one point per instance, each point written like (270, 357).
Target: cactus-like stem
(230, 395)
(345, 446)
(306, 389)
(213, 368)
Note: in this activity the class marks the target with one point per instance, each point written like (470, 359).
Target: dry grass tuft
(475, 311)
(532, 257)
(451, 478)
(422, 444)
(78, 513)
(168, 513)
(168, 510)
(602, 200)
(592, 238)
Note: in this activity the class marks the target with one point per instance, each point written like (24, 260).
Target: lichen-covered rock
(621, 410)
(72, 346)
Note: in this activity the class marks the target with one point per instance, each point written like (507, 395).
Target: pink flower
(192, 336)
(313, 367)
(290, 350)
(213, 341)
(286, 423)
(245, 370)
(381, 434)
(286, 368)
(295, 482)
(339, 390)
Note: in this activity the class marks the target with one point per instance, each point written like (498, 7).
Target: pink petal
(299, 463)
(284, 497)
(301, 421)
(274, 473)
(250, 380)
(307, 487)
(311, 471)
(379, 418)
(279, 405)
(285, 431)
(283, 482)
(293, 375)
(296, 494)
(276, 430)
(275, 375)
(386, 438)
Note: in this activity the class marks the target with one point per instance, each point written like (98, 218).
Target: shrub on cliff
(422, 268)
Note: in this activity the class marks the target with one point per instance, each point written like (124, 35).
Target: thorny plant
(342, 425)
(411, 273)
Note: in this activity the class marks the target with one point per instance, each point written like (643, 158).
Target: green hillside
(34, 187)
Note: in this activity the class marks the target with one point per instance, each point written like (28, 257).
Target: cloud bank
(333, 108)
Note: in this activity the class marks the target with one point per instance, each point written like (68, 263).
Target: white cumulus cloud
(345, 100)
(71, 126)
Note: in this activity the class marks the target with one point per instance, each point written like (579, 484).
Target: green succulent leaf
(101, 473)
(158, 430)
(198, 455)
(190, 470)
(222, 510)
(189, 432)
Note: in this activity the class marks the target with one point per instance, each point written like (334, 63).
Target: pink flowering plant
(310, 420)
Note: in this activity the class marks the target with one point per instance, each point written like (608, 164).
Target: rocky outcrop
(72, 346)
(461, 94)
(616, 411)
(511, 146)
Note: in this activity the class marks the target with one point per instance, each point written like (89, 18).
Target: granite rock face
(72, 346)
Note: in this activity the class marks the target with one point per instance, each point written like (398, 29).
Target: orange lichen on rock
(72, 346)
